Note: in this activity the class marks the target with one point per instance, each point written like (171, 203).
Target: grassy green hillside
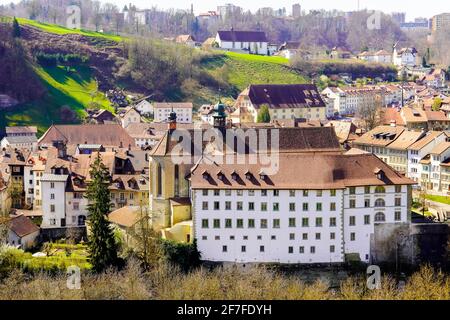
(244, 69)
(56, 29)
(73, 87)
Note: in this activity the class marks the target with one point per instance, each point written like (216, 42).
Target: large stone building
(284, 101)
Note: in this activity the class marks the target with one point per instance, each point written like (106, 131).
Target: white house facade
(253, 42)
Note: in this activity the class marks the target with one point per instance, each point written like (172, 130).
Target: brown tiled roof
(431, 135)
(370, 138)
(280, 96)
(299, 171)
(125, 217)
(242, 36)
(291, 140)
(22, 226)
(343, 129)
(440, 148)
(392, 114)
(104, 134)
(406, 139)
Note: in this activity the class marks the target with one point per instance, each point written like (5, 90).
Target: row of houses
(423, 156)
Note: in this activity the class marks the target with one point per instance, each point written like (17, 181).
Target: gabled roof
(431, 135)
(242, 36)
(280, 96)
(22, 226)
(441, 148)
(127, 216)
(108, 135)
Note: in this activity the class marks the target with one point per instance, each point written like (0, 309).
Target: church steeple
(172, 121)
(219, 116)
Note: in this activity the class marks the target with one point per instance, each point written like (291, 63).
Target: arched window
(380, 203)
(380, 190)
(158, 180)
(176, 174)
(380, 217)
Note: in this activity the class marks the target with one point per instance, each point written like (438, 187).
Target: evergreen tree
(16, 29)
(263, 115)
(102, 245)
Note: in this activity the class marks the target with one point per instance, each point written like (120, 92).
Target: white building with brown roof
(284, 101)
(323, 213)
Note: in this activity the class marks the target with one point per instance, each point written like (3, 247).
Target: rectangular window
(228, 223)
(318, 206)
(227, 205)
(240, 223)
(332, 249)
(251, 193)
(332, 206)
(216, 205)
(251, 223)
(292, 222)
(319, 193)
(305, 193)
(318, 222)
(291, 249)
(312, 249)
(276, 206)
(231, 237)
(251, 206)
(276, 193)
(76, 206)
(305, 206)
(292, 236)
(352, 203)
(261, 248)
(305, 222)
(317, 236)
(332, 222)
(305, 236)
(205, 205)
(240, 193)
(52, 196)
(352, 236)
(205, 192)
(52, 208)
(52, 185)
(301, 249)
(292, 207)
(263, 223)
(264, 193)
(228, 193)
(367, 190)
(333, 193)
(398, 189)
(366, 203)
(332, 235)
(263, 206)
(239, 206)
(398, 202)
(352, 221)
(276, 223)
(367, 219)
(224, 248)
(398, 216)
(216, 223)
(352, 190)
(216, 193)
(243, 248)
(291, 193)
(205, 224)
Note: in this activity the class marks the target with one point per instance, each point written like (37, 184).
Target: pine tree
(102, 244)
(16, 29)
(263, 115)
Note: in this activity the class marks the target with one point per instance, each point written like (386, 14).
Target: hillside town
(338, 170)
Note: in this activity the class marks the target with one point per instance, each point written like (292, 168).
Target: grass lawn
(246, 69)
(57, 29)
(441, 199)
(71, 87)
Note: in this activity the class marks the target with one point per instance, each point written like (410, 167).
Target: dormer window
(205, 175)
(220, 175)
(262, 175)
(248, 175)
(234, 175)
(379, 173)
